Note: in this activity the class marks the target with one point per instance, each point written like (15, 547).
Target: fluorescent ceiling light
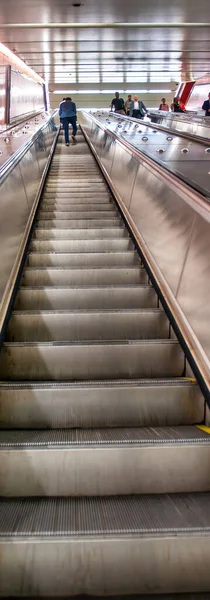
(135, 91)
(20, 65)
(142, 91)
(162, 91)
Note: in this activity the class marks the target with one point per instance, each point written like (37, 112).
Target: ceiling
(109, 42)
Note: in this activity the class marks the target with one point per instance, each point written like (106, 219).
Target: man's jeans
(66, 122)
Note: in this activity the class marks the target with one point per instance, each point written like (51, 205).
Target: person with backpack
(68, 114)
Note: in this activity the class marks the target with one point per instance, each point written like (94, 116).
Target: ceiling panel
(109, 54)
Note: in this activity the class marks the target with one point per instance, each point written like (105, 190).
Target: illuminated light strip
(20, 65)
(102, 25)
(162, 91)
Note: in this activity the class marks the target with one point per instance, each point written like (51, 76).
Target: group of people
(136, 108)
(131, 108)
(176, 105)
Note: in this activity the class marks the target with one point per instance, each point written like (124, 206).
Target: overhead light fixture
(20, 64)
(166, 91)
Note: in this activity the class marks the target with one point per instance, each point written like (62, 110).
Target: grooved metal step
(82, 361)
(77, 326)
(89, 259)
(134, 403)
(74, 214)
(103, 462)
(77, 197)
(125, 556)
(78, 223)
(78, 206)
(132, 296)
(80, 234)
(83, 276)
(120, 515)
(97, 245)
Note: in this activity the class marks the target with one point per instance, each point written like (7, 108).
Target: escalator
(104, 475)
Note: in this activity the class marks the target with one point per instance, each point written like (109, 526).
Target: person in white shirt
(137, 108)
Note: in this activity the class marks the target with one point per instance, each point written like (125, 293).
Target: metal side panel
(64, 362)
(104, 325)
(103, 404)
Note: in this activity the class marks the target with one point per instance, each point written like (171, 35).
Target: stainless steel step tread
(74, 214)
(93, 311)
(84, 325)
(75, 246)
(77, 206)
(75, 268)
(101, 287)
(114, 253)
(125, 436)
(99, 223)
(63, 361)
(107, 384)
(112, 515)
(82, 259)
(91, 233)
(108, 344)
(120, 403)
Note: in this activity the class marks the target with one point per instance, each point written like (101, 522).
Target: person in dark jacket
(68, 114)
(118, 104)
(137, 108)
(206, 106)
(175, 106)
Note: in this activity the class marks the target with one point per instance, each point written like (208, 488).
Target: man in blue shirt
(206, 106)
(68, 114)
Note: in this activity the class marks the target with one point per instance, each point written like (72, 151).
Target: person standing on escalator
(118, 104)
(137, 108)
(68, 114)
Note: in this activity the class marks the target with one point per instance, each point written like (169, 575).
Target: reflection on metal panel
(196, 276)
(13, 218)
(29, 169)
(18, 192)
(165, 222)
(124, 163)
(3, 68)
(173, 225)
(26, 95)
(197, 126)
(107, 152)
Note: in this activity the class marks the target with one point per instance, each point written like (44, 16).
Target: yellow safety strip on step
(204, 428)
